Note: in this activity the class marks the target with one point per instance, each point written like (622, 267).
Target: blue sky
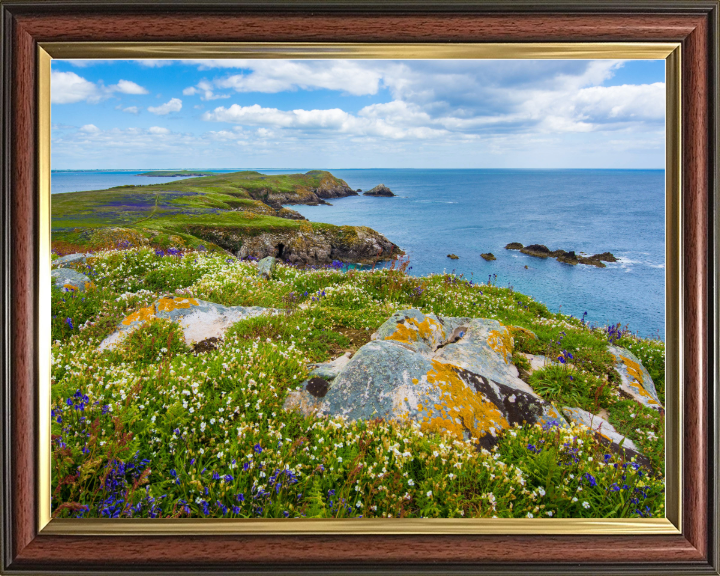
(358, 114)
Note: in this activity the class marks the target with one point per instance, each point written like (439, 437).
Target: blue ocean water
(467, 212)
(81, 180)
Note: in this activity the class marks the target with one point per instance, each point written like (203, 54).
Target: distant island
(173, 173)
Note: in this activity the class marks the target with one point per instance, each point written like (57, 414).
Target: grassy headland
(218, 212)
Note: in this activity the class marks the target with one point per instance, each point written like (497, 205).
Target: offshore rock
(514, 246)
(453, 257)
(606, 434)
(537, 250)
(379, 190)
(635, 380)
(199, 320)
(266, 267)
(488, 256)
(70, 280)
(450, 375)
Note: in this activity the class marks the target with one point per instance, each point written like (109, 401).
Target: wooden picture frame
(28, 547)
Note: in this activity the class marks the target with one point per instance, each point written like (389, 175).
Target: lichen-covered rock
(69, 260)
(413, 329)
(198, 319)
(70, 280)
(330, 370)
(266, 267)
(449, 375)
(486, 348)
(635, 380)
(606, 433)
(307, 400)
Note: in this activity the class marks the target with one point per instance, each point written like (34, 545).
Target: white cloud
(131, 110)
(172, 105)
(272, 76)
(158, 130)
(90, 129)
(68, 88)
(205, 89)
(127, 87)
(626, 102)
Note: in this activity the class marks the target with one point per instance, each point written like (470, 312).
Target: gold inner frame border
(668, 51)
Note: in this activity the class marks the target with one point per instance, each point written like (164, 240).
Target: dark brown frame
(694, 23)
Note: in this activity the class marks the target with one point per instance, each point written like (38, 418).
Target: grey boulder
(449, 375)
(70, 280)
(635, 380)
(199, 320)
(266, 267)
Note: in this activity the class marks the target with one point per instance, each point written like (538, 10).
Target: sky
(331, 114)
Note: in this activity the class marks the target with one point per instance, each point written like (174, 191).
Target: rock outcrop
(329, 187)
(453, 257)
(606, 434)
(69, 260)
(198, 319)
(635, 380)
(488, 256)
(379, 190)
(266, 267)
(318, 245)
(564, 256)
(70, 280)
(450, 375)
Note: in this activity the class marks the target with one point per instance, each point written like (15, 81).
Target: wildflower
(258, 448)
(429, 493)
(541, 491)
(585, 505)
(529, 515)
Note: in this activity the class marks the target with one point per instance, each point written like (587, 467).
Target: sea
(437, 212)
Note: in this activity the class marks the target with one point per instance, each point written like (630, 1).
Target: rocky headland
(564, 256)
(243, 213)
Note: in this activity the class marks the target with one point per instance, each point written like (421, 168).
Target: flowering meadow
(157, 428)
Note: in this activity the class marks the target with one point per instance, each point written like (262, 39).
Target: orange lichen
(459, 407)
(170, 304)
(501, 342)
(633, 368)
(411, 330)
(141, 315)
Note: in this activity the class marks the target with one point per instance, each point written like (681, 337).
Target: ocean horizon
(467, 212)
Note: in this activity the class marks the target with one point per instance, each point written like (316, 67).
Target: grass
(155, 430)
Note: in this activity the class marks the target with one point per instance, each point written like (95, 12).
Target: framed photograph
(300, 288)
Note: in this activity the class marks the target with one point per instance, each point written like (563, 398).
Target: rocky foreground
(211, 386)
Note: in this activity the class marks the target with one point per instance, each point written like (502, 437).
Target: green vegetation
(152, 429)
(182, 213)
